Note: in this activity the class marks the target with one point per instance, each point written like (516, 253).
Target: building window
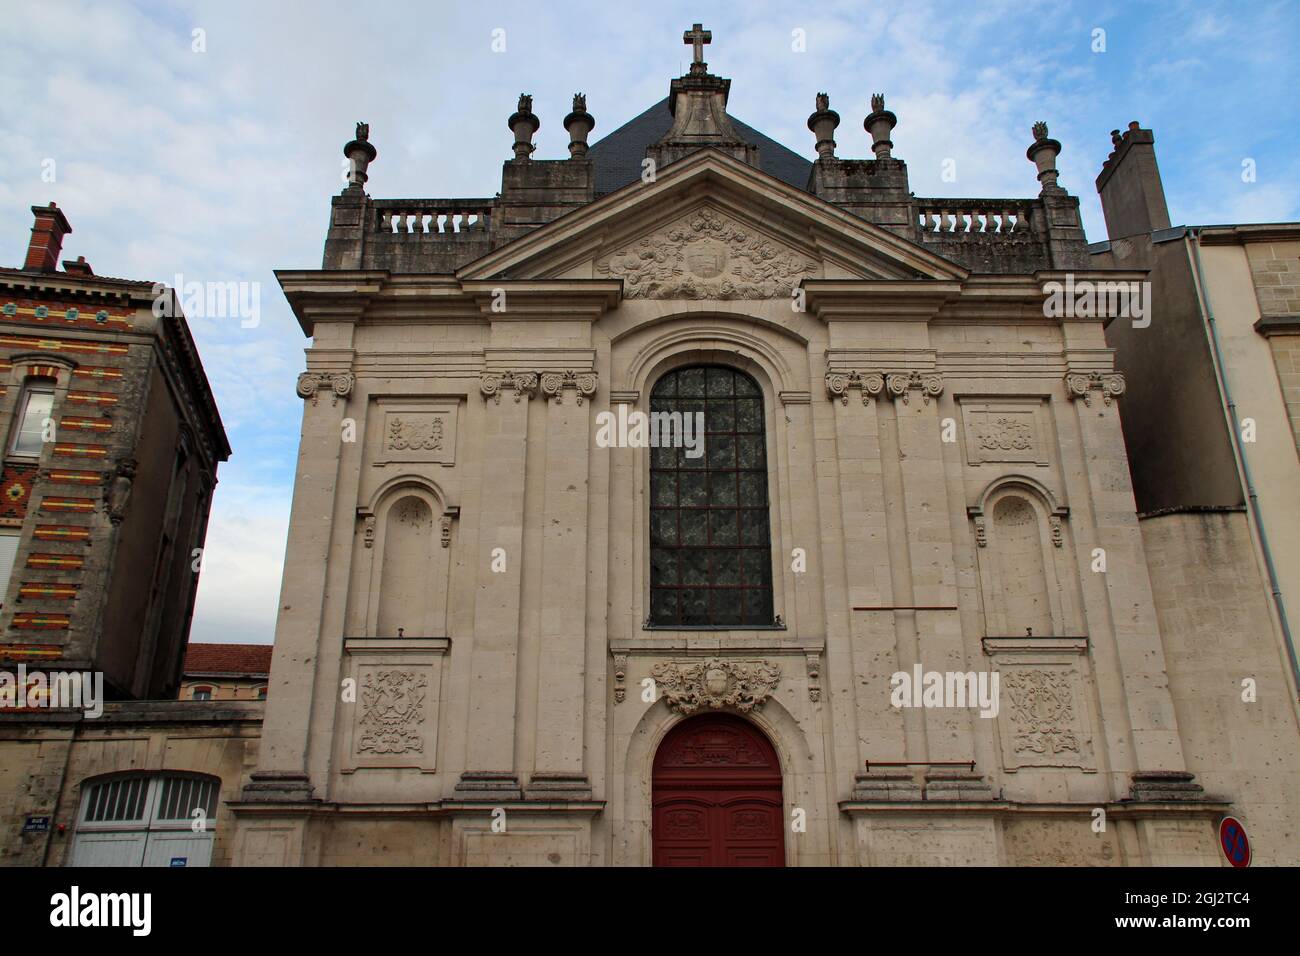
(147, 820)
(202, 693)
(710, 551)
(261, 693)
(35, 406)
(9, 538)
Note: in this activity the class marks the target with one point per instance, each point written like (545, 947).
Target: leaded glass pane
(710, 540)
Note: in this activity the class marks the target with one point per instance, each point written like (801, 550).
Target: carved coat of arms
(715, 683)
(392, 708)
(707, 256)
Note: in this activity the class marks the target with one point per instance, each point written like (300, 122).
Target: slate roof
(618, 156)
(243, 660)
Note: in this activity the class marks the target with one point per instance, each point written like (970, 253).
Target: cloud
(220, 165)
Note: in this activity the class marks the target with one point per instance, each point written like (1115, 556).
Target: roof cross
(697, 36)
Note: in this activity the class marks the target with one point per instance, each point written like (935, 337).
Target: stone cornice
(574, 300)
(1278, 325)
(866, 300)
(1249, 232)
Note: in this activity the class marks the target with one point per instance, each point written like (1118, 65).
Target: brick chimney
(1132, 196)
(47, 238)
(78, 266)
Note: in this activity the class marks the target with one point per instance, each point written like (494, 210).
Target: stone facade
(468, 665)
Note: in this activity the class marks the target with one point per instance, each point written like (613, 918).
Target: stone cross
(697, 36)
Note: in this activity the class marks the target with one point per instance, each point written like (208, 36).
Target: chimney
(78, 266)
(1132, 196)
(47, 238)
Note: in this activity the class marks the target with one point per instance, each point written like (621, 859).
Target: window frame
(36, 385)
(769, 619)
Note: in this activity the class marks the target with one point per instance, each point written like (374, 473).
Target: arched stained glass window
(710, 548)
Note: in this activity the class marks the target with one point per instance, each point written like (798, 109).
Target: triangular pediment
(711, 227)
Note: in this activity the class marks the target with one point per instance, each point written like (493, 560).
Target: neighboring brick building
(112, 440)
(226, 672)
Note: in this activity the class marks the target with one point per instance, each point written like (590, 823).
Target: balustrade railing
(445, 217)
(973, 219)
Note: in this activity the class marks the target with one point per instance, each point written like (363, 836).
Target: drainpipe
(1207, 315)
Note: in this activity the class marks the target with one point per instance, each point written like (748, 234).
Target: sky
(205, 140)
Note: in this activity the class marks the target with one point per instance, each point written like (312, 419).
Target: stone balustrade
(424, 217)
(973, 219)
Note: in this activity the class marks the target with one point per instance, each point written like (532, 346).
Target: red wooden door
(717, 796)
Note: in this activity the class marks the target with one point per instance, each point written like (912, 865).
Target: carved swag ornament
(1004, 434)
(414, 434)
(706, 256)
(714, 683)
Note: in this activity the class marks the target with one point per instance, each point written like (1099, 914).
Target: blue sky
(219, 165)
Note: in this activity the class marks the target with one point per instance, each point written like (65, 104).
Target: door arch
(717, 795)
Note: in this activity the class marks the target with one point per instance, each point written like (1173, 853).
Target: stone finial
(579, 123)
(823, 123)
(524, 125)
(360, 155)
(1043, 155)
(880, 123)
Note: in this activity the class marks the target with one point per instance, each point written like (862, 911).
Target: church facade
(694, 503)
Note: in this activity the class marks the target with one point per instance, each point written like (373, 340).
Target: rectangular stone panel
(1014, 431)
(415, 431)
(393, 721)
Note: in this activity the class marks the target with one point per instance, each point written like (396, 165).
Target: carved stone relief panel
(1006, 431)
(715, 683)
(393, 720)
(707, 255)
(414, 431)
(1045, 715)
